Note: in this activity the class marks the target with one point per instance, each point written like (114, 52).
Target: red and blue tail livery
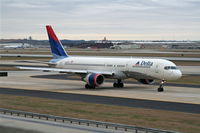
(56, 46)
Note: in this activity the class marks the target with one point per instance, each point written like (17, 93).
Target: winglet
(56, 46)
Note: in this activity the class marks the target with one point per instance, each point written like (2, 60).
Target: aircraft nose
(178, 74)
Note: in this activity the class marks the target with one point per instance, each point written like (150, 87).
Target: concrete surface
(50, 81)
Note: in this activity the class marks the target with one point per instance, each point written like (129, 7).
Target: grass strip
(168, 120)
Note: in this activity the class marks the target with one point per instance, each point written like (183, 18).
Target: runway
(67, 87)
(66, 83)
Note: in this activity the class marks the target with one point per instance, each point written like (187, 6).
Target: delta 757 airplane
(93, 70)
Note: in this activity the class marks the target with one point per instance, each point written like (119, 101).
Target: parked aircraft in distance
(94, 70)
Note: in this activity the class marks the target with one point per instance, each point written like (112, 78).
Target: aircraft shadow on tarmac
(72, 77)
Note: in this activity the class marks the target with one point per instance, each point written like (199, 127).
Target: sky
(94, 19)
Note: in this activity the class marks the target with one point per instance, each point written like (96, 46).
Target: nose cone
(178, 74)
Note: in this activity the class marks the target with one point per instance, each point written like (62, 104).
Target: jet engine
(146, 81)
(94, 79)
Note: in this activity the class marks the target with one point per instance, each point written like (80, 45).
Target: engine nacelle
(94, 79)
(146, 81)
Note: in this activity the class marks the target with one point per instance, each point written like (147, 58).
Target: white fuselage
(122, 68)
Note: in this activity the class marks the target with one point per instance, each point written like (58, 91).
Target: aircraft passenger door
(157, 68)
(128, 66)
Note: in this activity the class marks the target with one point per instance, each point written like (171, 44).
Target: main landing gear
(87, 86)
(160, 88)
(118, 84)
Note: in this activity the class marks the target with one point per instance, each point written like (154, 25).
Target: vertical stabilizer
(56, 46)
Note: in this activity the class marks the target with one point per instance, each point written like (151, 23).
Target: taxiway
(66, 83)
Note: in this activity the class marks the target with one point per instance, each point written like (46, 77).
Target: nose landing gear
(160, 88)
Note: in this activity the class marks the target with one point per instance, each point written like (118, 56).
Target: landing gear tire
(87, 86)
(160, 89)
(119, 84)
(115, 85)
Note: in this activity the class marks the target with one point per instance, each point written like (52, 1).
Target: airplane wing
(66, 70)
(25, 55)
(33, 61)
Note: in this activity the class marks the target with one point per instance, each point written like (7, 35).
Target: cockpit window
(167, 67)
(170, 67)
(173, 67)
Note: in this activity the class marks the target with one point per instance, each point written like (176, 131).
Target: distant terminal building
(186, 46)
(170, 44)
(97, 44)
(156, 44)
(125, 46)
(103, 41)
(14, 45)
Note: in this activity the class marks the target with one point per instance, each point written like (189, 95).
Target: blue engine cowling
(94, 79)
(146, 81)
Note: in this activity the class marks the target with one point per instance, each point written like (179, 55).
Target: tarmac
(66, 83)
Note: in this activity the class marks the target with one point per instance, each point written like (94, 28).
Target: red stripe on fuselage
(51, 33)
